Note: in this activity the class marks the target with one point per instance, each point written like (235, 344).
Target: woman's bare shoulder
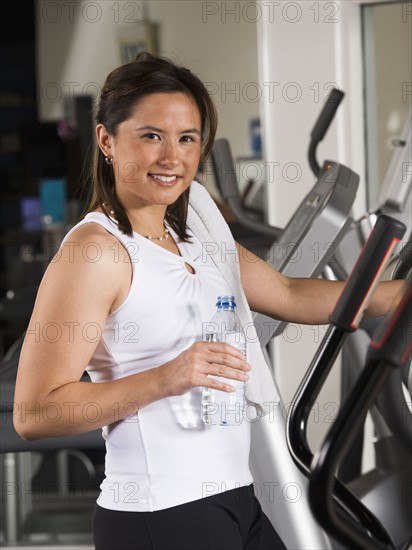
(90, 262)
(91, 243)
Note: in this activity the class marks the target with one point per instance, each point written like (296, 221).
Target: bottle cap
(226, 302)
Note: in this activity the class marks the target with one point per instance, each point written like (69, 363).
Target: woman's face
(156, 152)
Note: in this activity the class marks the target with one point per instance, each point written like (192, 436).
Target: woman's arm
(306, 301)
(75, 296)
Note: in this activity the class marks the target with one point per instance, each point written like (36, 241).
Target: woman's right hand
(199, 364)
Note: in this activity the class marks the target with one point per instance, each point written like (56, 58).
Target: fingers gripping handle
(392, 340)
(366, 274)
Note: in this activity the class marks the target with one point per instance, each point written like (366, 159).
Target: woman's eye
(187, 139)
(152, 136)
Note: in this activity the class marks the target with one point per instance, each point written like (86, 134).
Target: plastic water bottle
(221, 408)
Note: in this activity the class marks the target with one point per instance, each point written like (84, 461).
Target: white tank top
(164, 455)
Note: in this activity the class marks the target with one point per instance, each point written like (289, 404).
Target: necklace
(150, 237)
(161, 238)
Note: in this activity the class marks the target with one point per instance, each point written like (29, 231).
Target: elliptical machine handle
(223, 165)
(392, 342)
(226, 180)
(322, 124)
(326, 116)
(389, 349)
(367, 272)
(351, 304)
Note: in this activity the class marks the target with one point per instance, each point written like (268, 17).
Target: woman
(126, 298)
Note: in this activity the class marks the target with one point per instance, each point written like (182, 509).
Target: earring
(111, 212)
(108, 160)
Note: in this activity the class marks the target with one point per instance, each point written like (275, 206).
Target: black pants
(232, 520)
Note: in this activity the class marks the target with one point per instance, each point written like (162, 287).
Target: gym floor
(71, 547)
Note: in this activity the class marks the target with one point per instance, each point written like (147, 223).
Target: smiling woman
(150, 291)
(164, 253)
(154, 154)
(127, 104)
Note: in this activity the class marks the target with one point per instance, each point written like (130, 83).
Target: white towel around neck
(209, 226)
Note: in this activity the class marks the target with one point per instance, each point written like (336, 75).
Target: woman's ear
(104, 140)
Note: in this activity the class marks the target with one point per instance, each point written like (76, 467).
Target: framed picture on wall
(139, 38)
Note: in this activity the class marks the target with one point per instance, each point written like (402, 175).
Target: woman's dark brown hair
(122, 91)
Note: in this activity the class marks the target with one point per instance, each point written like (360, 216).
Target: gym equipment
(318, 224)
(347, 509)
(391, 401)
(395, 200)
(320, 221)
(267, 436)
(389, 350)
(62, 509)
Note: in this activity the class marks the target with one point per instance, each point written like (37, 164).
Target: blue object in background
(53, 201)
(255, 137)
(30, 211)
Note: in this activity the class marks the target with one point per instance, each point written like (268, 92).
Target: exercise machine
(49, 486)
(389, 352)
(337, 509)
(395, 200)
(309, 217)
(320, 221)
